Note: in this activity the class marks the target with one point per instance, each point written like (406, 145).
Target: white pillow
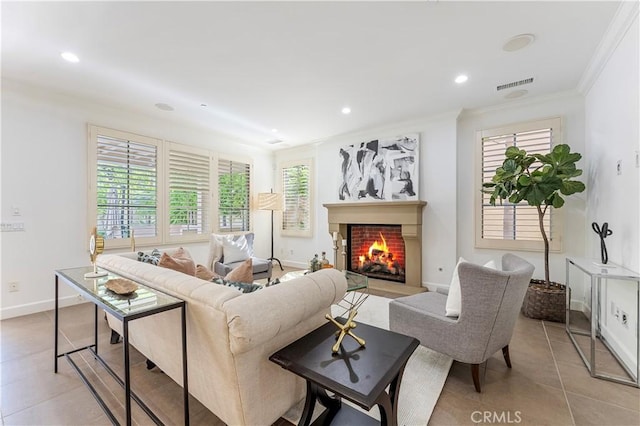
(236, 249)
(454, 299)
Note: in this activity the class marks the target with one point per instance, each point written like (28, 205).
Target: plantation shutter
(512, 221)
(189, 184)
(234, 178)
(296, 188)
(126, 186)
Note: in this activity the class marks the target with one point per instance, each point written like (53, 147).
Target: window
(233, 196)
(161, 192)
(514, 226)
(124, 186)
(296, 188)
(189, 184)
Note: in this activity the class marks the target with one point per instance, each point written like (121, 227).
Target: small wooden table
(358, 374)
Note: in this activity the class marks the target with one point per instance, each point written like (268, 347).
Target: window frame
(556, 216)
(94, 132)
(216, 193)
(307, 162)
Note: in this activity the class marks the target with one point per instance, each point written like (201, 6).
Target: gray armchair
(491, 302)
(217, 263)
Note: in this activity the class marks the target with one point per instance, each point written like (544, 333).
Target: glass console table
(599, 276)
(143, 302)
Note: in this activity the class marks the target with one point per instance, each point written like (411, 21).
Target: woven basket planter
(547, 304)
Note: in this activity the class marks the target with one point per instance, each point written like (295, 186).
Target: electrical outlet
(619, 167)
(291, 251)
(624, 318)
(14, 286)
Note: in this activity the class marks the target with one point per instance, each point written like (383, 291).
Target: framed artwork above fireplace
(380, 169)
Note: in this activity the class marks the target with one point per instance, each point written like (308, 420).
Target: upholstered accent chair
(227, 252)
(491, 302)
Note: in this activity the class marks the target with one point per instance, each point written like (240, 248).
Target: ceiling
(292, 66)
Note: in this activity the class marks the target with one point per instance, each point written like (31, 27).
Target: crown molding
(626, 14)
(521, 102)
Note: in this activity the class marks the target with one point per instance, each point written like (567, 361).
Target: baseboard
(42, 306)
(623, 353)
(293, 264)
(436, 286)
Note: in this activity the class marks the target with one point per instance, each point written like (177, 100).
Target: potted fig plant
(541, 180)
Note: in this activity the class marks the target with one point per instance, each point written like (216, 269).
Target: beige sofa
(230, 336)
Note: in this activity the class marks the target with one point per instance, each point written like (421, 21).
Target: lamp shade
(269, 201)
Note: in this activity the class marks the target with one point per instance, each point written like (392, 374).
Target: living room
(45, 184)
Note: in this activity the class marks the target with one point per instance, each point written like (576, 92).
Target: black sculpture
(603, 232)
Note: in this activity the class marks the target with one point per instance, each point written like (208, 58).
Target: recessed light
(346, 110)
(164, 107)
(516, 94)
(70, 57)
(274, 130)
(518, 42)
(461, 79)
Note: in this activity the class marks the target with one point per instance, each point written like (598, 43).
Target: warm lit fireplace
(405, 215)
(376, 251)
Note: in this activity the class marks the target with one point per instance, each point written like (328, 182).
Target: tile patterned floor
(548, 384)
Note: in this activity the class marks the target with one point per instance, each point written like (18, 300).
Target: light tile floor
(548, 384)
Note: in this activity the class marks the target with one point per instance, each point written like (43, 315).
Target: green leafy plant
(539, 179)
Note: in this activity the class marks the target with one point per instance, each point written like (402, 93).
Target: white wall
(44, 174)
(437, 186)
(570, 107)
(612, 135)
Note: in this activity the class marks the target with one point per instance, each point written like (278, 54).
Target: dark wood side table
(357, 374)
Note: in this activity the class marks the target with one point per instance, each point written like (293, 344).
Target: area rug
(423, 379)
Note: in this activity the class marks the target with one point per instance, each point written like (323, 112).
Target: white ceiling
(294, 65)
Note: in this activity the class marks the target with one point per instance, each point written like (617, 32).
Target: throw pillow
(243, 273)
(454, 299)
(242, 287)
(205, 273)
(180, 261)
(236, 249)
(153, 257)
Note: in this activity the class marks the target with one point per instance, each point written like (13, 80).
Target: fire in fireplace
(377, 251)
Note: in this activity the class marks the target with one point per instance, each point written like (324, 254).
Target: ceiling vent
(514, 84)
(274, 142)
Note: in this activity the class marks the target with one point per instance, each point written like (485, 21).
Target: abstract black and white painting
(380, 170)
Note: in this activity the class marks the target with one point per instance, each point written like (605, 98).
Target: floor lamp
(271, 201)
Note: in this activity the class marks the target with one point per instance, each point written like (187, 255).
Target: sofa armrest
(258, 317)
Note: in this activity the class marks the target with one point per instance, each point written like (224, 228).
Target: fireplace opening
(376, 251)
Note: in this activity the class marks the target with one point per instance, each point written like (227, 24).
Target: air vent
(274, 142)
(514, 84)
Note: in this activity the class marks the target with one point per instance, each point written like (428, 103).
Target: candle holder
(344, 257)
(335, 254)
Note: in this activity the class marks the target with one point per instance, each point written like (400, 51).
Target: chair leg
(505, 354)
(475, 373)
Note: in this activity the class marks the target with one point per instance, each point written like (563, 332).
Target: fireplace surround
(407, 214)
